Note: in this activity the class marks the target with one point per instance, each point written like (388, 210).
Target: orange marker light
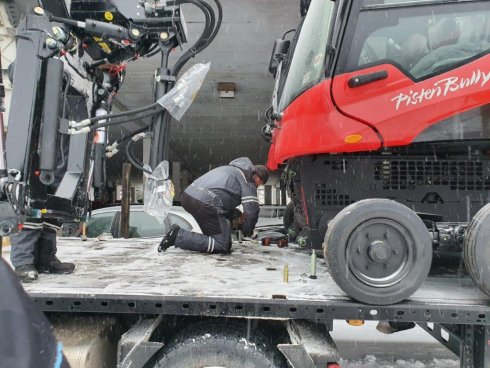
(355, 322)
(353, 138)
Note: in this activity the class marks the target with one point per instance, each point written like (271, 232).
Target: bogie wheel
(220, 345)
(290, 224)
(288, 218)
(476, 250)
(323, 224)
(16, 9)
(378, 251)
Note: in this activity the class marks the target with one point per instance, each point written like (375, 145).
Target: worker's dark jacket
(27, 340)
(226, 187)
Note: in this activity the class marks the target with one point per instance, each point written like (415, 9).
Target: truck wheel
(476, 249)
(378, 251)
(219, 344)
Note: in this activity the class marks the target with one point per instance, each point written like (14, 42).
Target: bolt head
(38, 10)
(164, 36)
(51, 43)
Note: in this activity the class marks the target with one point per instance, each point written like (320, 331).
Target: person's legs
(47, 247)
(216, 237)
(204, 243)
(47, 262)
(24, 251)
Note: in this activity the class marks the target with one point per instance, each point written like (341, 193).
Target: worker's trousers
(216, 228)
(35, 244)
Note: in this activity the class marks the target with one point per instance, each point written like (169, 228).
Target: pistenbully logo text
(441, 88)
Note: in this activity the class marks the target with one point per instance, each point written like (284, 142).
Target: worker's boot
(56, 267)
(169, 239)
(26, 273)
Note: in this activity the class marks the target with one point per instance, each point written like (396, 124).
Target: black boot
(169, 239)
(26, 273)
(56, 267)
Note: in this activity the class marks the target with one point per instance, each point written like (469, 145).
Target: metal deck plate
(130, 275)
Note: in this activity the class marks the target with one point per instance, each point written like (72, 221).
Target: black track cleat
(169, 239)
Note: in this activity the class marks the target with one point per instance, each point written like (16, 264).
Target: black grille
(336, 164)
(329, 197)
(410, 174)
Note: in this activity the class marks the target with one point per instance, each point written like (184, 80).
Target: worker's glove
(237, 218)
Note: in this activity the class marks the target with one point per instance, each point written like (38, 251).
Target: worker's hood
(244, 164)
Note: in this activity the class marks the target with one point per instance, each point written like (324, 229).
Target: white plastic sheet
(159, 192)
(179, 98)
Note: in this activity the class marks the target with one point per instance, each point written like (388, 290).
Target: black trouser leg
(47, 247)
(216, 237)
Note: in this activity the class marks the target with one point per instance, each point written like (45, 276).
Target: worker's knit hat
(262, 173)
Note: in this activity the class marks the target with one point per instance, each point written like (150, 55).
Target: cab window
(420, 39)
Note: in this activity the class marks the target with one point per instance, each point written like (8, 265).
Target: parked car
(141, 224)
(271, 216)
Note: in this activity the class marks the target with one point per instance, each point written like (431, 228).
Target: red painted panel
(311, 124)
(401, 109)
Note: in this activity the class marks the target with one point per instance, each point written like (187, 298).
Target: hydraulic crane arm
(67, 72)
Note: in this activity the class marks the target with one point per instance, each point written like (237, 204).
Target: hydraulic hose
(132, 159)
(210, 31)
(130, 135)
(112, 122)
(194, 49)
(124, 113)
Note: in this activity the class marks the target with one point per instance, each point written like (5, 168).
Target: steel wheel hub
(380, 252)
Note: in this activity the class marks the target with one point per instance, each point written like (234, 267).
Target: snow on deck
(134, 267)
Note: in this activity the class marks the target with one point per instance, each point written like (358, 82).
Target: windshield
(307, 65)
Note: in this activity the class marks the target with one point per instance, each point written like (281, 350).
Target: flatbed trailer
(128, 277)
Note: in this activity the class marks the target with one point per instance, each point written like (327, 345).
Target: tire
(476, 250)
(378, 251)
(16, 9)
(219, 344)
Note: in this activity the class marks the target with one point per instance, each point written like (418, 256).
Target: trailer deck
(130, 276)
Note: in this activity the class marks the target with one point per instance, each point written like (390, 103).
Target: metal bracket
(165, 78)
(64, 126)
(134, 348)
(311, 345)
(475, 347)
(437, 331)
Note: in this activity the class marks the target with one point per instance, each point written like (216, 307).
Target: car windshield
(307, 65)
(99, 223)
(142, 225)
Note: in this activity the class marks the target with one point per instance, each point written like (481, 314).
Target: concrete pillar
(146, 150)
(284, 200)
(267, 194)
(177, 179)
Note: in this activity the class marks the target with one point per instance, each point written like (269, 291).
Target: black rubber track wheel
(288, 218)
(476, 249)
(323, 224)
(219, 344)
(16, 9)
(378, 251)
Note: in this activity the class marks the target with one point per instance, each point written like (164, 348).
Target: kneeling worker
(212, 199)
